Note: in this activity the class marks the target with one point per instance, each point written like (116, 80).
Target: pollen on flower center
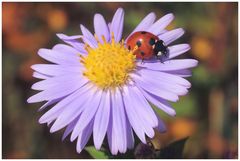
(109, 64)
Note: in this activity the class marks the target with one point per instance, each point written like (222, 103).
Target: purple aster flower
(96, 85)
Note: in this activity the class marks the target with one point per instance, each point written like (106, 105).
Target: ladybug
(148, 46)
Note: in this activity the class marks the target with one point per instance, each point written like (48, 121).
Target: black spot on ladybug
(129, 47)
(152, 41)
(143, 32)
(138, 43)
(142, 53)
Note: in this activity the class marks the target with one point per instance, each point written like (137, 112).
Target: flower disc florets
(109, 64)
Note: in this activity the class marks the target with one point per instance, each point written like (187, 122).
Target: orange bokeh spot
(202, 48)
(181, 128)
(57, 20)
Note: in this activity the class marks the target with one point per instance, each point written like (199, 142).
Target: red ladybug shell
(144, 41)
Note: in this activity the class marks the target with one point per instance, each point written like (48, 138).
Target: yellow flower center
(109, 64)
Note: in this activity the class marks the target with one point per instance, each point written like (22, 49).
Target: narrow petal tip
(32, 99)
(73, 137)
(120, 9)
(41, 120)
(63, 138)
(33, 66)
(79, 150)
(82, 27)
(65, 37)
(34, 87)
(170, 15)
(97, 146)
(96, 15)
(196, 62)
(61, 36)
(180, 30)
(29, 100)
(174, 114)
(53, 129)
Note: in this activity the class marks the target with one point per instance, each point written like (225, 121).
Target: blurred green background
(208, 114)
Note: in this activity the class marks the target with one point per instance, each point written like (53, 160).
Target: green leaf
(172, 151)
(96, 154)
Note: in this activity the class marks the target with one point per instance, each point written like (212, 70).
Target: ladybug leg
(142, 54)
(161, 60)
(164, 56)
(167, 52)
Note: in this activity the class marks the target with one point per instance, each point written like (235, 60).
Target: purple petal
(72, 40)
(55, 70)
(101, 27)
(69, 50)
(171, 36)
(60, 106)
(144, 111)
(58, 57)
(111, 136)
(49, 123)
(65, 37)
(158, 27)
(177, 50)
(84, 136)
(161, 126)
(119, 121)
(143, 106)
(87, 114)
(72, 111)
(69, 128)
(117, 24)
(109, 26)
(159, 103)
(163, 84)
(181, 73)
(146, 85)
(134, 118)
(163, 76)
(53, 117)
(40, 75)
(145, 23)
(169, 65)
(88, 37)
(58, 81)
(101, 120)
(55, 92)
(130, 137)
(164, 31)
(49, 103)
